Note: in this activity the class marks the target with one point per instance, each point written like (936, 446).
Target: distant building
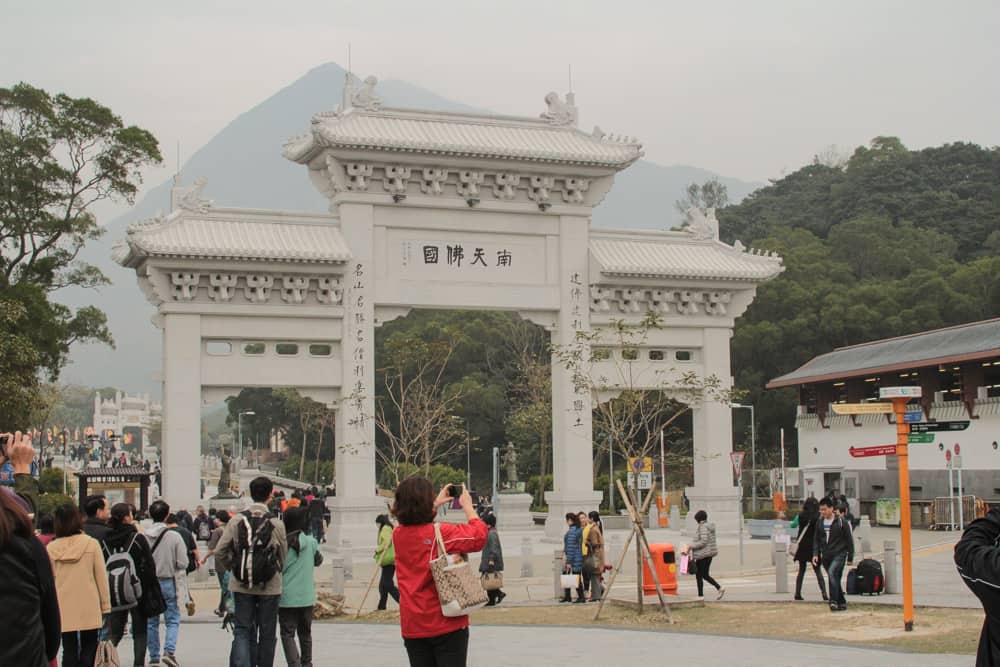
(128, 416)
(958, 369)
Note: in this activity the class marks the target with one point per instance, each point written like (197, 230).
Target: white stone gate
(432, 210)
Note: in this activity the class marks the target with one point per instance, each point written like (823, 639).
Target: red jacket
(419, 608)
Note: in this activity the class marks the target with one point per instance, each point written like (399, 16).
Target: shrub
(51, 480)
(48, 502)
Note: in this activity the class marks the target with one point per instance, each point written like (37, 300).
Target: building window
(600, 353)
(630, 354)
(218, 348)
(320, 350)
(254, 349)
(950, 378)
(683, 355)
(287, 349)
(991, 379)
(656, 355)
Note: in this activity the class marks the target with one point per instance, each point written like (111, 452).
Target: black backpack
(257, 559)
(204, 530)
(870, 580)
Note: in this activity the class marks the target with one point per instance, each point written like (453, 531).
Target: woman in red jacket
(431, 639)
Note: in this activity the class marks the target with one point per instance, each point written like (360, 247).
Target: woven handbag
(460, 591)
(107, 655)
(492, 581)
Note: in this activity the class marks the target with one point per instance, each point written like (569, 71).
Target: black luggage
(870, 580)
(852, 582)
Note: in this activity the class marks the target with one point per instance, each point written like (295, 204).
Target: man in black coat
(98, 512)
(833, 544)
(977, 556)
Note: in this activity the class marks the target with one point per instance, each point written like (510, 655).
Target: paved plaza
(204, 645)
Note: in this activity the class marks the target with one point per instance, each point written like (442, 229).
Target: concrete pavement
(203, 645)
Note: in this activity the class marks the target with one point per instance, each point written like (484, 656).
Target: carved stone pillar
(181, 446)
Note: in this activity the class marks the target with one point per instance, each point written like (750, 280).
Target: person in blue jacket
(573, 555)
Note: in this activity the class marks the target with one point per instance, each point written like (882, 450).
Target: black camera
(455, 490)
(4, 441)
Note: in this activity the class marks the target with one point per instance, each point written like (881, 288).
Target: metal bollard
(864, 534)
(890, 573)
(337, 580)
(557, 568)
(614, 547)
(675, 518)
(345, 552)
(527, 567)
(780, 567)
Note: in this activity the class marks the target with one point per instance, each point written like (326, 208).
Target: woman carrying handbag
(802, 546)
(491, 564)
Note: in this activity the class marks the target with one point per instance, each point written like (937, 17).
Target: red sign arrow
(877, 450)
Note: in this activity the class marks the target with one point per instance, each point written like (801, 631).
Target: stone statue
(560, 112)
(702, 223)
(225, 467)
(509, 461)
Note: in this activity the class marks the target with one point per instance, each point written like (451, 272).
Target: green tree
(58, 157)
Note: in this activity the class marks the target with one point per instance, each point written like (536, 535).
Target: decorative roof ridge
(918, 334)
(234, 215)
(685, 238)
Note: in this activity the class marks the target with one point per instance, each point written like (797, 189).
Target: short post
(614, 546)
(675, 518)
(891, 576)
(345, 553)
(864, 533)
(780, 567)
(527, 567)
(337, 579)
(557, 570)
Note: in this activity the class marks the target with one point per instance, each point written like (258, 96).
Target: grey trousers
(292, 620)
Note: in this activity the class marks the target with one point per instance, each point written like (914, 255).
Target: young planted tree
(415, 412)
(58, 157)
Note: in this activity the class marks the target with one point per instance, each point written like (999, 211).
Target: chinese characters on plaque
(457, 256)
(358, 330)
(576, 325)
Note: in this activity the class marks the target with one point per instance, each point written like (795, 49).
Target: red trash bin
(666, 570)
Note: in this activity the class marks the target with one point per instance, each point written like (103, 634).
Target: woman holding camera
(431, 638)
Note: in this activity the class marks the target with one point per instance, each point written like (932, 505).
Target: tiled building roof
(463, 135)
(965, 342)
(678, 255)
(235, 234)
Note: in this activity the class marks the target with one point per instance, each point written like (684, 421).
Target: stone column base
(560, 504)
(353, 520)
(513, 511)
(722, 506)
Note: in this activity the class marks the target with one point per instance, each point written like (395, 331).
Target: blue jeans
(835, 571)
(172, 616)
(255, 633)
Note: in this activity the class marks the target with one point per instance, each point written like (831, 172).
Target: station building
(958, 370)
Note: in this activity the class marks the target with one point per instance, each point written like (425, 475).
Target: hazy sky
(748, 89)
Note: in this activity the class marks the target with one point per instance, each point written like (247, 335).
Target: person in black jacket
(317, 508)
(808, 518)
(977, 557)
(122, 536)
(97, 510)
(29, 610)
(833, 544)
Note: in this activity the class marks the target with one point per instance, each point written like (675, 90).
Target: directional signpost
(921, 438)
(877, 450)
(900, 396)
(862, 408)
(938, 427)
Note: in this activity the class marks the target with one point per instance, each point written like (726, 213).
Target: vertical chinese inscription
(358, 332)
(580, 389)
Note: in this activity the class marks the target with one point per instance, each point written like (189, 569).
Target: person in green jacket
(298, 591)
(385, 557)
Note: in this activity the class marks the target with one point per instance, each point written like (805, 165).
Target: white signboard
(899, 392)
(645, 480)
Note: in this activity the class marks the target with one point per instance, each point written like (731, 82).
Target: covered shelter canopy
(122, 477)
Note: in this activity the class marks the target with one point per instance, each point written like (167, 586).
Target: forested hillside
(890, 242)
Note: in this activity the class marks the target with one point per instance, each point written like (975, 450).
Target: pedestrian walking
(385, 558)
(253, 547)
(81, 587)
(492, 559)
(123, 538)
(977, 556)
(808, 517)
(703, 549)
(832, 546)
(29, 609)
(573, 555)
(317, 508)
(431, 639)
(221, 574)
(171, 559)
(298, 589)
(594, 561)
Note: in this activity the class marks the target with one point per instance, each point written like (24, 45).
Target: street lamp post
(468, 450)
(753, 454)
(239, 428)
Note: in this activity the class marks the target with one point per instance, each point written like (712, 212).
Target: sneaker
(500, 596)
(170, 661)
(799, 597)
(722, 592)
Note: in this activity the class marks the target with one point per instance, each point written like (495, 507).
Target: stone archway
(433, 210)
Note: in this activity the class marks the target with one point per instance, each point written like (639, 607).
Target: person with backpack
(385, 558)
(253, 547)
(203, 525)
(171, 559)
(833, 544)
(132, 581)
(298, 589)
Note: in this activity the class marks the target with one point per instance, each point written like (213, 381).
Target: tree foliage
(58, 157)
(888, 243)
